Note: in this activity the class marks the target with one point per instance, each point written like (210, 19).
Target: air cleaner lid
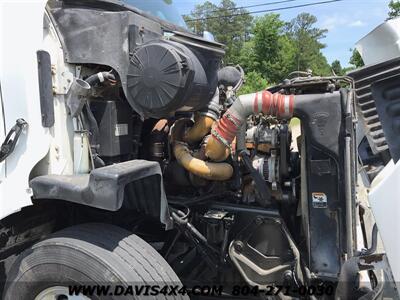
(157, 78)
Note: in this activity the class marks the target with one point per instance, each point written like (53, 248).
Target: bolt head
(238, 245)
(259, 221)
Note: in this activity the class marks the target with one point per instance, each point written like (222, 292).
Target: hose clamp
(220, 138)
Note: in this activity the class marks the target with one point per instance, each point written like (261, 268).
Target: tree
(274, 51)
(394, 9)
(269, 52)
(268, 47)
(356, 59)
(267, 32)
(248, 58)
(337, 68)
(254, 83)
(306, 38)
(230, 26)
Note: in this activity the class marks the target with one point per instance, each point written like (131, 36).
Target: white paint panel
(21, 35)
(384, 199)
(2, 137)
(381, 44)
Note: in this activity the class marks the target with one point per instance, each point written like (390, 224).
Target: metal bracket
(261, 266)
(348, 279)
(62, 80)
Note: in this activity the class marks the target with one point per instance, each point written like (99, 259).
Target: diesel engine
(231, 188)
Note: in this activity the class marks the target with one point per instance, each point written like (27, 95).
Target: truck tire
(89, 254)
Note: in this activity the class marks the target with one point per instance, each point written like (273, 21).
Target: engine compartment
(249, 200)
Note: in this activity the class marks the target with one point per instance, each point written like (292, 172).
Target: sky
(347, 21)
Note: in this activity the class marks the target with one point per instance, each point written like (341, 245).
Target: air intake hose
(277, 105)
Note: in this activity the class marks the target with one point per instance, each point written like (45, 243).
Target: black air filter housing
(165, 76)
(229, 76)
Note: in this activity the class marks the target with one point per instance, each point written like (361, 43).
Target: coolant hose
(100, 77)
(201, 168)
(222, 135)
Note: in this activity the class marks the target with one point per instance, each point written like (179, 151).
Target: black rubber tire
(93, 254)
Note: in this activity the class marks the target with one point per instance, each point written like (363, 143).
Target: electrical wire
(264, 10)
(247, 6)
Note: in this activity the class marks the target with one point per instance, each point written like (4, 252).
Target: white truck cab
(20, 98)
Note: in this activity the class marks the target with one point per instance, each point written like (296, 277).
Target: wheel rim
(58, 293)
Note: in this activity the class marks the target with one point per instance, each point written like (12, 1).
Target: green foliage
(277, 48)
(254, 83)
(270, 51)
(356, 59)
(348, 69)
(306, 38)
(227, 23)
(267, 32)
(267, 47)
(337, 68)
(394, 9)
(248, 58)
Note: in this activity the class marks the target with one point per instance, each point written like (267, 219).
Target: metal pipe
(77, 96)
(348, 181)
(348, 191)
(204, 120)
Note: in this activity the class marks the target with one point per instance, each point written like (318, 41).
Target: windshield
(163, 9)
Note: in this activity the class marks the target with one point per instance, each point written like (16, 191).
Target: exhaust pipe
(204, 120)
(196, 166)
(201, 127)
(201, 168)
